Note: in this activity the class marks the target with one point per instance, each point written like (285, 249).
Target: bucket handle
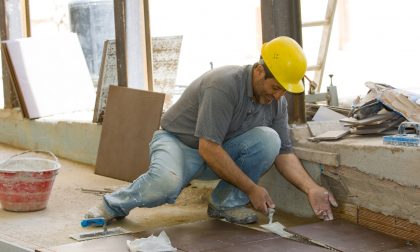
(28, 151)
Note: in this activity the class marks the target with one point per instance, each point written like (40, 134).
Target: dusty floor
(68, 203)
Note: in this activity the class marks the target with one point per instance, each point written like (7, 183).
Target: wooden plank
(165, 63)
(149, 46)
(130, 119)
(11, 78)
(121, 37)
(107, 76)
(10, 28)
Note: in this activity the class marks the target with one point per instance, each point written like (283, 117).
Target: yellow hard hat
(286, 61)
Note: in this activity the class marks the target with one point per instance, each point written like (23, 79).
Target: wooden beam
(134, 46)
(283, 18)
(13, 20)
(27, 17)
(120, 40)
(149, 47)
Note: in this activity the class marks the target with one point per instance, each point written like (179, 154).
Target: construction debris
(383, 109)
(380, 111)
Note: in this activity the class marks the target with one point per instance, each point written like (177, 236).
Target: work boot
(101, 211)
(238, 215)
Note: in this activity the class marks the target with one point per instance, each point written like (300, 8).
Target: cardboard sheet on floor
(212, 235)
(50, 74)
(346, 236)
(131, 117)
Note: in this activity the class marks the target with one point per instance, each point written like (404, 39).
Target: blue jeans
(173, 165)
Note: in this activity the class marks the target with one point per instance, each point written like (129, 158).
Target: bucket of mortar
(26, 181)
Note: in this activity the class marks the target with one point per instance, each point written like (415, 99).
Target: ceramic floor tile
(209, 235)
(272, 245)
(347, 236)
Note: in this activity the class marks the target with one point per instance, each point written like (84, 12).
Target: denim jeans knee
(269, 143)
(253, 152)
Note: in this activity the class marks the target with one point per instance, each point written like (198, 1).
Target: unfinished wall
(67, 136)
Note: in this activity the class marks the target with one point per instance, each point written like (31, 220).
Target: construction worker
(230, 124)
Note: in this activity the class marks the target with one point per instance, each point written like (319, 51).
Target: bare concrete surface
(360, 170)
(67, 205)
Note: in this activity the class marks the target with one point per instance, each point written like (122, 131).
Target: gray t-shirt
(218, 106)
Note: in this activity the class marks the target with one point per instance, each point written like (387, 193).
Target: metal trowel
(97, 222)
(279, 229)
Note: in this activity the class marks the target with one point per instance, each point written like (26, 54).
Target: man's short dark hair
(267, 71)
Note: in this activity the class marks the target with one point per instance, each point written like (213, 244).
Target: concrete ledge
(321, 157)
(367, 154)
(70, 136)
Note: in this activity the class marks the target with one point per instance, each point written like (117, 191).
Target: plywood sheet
(107, 77)
(131, 117)
(50, 75)
(346, 236)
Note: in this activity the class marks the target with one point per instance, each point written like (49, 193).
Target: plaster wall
(68, 136)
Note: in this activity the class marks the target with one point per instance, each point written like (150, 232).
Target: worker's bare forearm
(223, 165)
(290, 167)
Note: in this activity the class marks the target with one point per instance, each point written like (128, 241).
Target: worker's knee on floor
(269, 140)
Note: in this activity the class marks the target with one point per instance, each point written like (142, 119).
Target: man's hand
(223, 165)
(320, 200)
(260, 199)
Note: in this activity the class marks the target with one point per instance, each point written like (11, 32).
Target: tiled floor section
(349, 237)
(215, 235)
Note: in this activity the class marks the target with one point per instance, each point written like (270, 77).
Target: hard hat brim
(294, 88)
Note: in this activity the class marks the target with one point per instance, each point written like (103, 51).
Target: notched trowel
(279, 229)
(97, 222)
